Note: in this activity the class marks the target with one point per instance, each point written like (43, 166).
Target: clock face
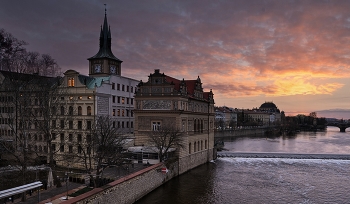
(112, 69)
(97, 68)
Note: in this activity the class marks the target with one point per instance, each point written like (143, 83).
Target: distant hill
(334, 113)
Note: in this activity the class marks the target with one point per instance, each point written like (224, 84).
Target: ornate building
(183, 104)
(103, 92)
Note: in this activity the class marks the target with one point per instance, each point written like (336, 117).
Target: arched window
(88, 109)
(70, 110)
(80, 110)
(189, 148)
(198, 146)
(62, 110)
(195, 146)
(71, 82)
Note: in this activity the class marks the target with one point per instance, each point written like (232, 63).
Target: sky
(295, 54)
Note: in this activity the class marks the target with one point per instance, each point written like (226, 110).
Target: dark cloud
(240, 48)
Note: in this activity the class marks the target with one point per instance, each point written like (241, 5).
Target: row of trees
(14, 57)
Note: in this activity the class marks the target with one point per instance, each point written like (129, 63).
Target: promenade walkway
(56, 195)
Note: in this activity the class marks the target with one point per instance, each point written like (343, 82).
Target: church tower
(104, 62)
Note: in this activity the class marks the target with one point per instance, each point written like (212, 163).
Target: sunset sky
(294, 53)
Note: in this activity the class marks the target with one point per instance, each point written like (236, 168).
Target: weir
(283, 155)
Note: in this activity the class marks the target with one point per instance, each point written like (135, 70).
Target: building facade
(105, 92)
(164, 100)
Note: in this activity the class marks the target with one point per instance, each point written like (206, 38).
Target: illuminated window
(113, 112)
(89, 97)
(80, 97)
(71, 82)
(123, 100)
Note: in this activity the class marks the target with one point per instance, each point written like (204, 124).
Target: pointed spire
(105, 41)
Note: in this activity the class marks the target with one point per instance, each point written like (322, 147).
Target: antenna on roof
(105, 9)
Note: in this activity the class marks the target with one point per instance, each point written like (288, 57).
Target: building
(164, 100)
(225, 118)
(104, 92)
(55, 115)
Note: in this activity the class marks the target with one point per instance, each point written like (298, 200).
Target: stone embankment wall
(194, 160)
(239, 132)
(130, 188)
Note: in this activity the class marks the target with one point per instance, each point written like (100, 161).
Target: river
(267, 180)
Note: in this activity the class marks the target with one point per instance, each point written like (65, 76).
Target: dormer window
(71, 82)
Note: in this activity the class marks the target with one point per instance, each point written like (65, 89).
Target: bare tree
(165, 138)
(15, 58)
(102, 148)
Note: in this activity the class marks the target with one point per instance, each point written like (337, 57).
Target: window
(156, 126)
(132, 101)
(53, 124)
(70, 110)
(70, 136)
(127, 88)
(118, 99)
(132, 124)
(113, 124)
(123, 100)
(80, 149)
(113, 86)
(89, 97)
(70, 149)
(62, 110)
(131, 89)
(118, 87)
(113, 113)
(127, 100)
(189, 148)
(62, 124)
(132, 113)
(80, 98)
(88, 125)
(71, 82)
(53, 147)
(62, 137)
(123, 112)
(123, 87)
(88, 110)
(80, 125)
(113, 99)
(62, 148)
(127, 113)
(79, 138)
(88, 138)
(80, 110)
(118, 124)
(127, 124)
(122, 124)
(70, 123)
(118, 112)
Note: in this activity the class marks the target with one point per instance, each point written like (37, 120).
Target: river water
(267, 180)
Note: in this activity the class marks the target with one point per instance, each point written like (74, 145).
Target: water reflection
(330, 141)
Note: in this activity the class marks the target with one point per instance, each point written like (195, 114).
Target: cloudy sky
(294, 53)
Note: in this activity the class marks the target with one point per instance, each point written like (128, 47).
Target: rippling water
(267, 180)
